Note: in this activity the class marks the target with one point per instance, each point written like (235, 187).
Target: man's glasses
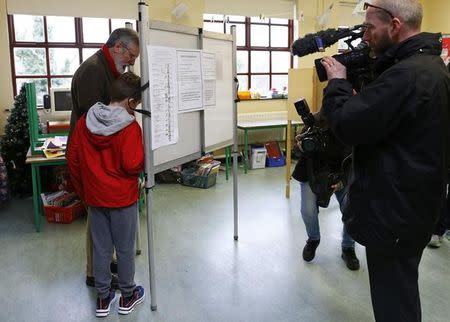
(367, 5)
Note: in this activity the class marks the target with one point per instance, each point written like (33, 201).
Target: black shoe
(309, 251)
(350, 259)
(90, 281)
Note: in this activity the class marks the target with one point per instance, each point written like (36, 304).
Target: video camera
(313, 141)
(358, 60)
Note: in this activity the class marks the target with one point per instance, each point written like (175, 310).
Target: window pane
(279, 21)
(243, 82)
(29, 28)
(121, 23)
(259, 19)
(260, 61)
(259, 35)
(61, 82)
(261, 83)
(61, 29)
(240, 33)
(30, 61)
(242, 61)
(279, 36)
(213, 26)
(280, 82)
(95, 30)
(41, 87)
(63, 61)
(281, 61)
(88, 52)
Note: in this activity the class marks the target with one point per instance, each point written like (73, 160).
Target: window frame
(249, 48)
(78, 44)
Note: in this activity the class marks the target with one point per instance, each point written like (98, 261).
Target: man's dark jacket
(399, 128)
(90, 84)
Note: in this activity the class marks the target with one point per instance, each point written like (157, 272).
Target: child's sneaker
(104, 305)
(127, 304)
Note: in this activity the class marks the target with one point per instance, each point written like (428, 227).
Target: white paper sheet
(209, 79)
(163, 95)
(190, 85)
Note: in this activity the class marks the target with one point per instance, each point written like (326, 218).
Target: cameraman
(399, 129)
(313, 169)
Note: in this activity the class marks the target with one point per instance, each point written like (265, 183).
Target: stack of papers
(55, 147)
(59, 199)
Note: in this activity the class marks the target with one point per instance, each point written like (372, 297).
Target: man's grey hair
(124, 35)
(409, 12)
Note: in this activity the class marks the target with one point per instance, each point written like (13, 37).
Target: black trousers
(394, 286)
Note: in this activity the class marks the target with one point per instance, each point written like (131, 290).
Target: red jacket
(104, 169)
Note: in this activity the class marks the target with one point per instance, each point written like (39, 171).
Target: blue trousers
(310, 214)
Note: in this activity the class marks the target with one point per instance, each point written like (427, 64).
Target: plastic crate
(64, 215)
(275, 157)
(188, 178)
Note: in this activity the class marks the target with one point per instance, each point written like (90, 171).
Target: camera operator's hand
(334, 68)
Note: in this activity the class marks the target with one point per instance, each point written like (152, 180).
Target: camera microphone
(317, 42)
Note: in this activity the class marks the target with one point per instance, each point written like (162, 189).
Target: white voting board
(199, 131)
(219, 119)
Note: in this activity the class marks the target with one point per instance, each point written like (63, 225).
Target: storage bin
(64, 215)
(189, 178)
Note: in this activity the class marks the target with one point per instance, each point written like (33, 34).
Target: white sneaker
(435, 241)
(447, 234)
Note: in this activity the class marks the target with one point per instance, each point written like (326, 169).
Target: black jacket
(91, 83)
(399, 128)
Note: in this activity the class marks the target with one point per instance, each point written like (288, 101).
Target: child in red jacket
(105, 158)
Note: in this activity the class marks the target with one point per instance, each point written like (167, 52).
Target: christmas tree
(15, 144)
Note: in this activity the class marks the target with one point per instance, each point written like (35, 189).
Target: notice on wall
(190, 85)
(163, 95)
(209, 79)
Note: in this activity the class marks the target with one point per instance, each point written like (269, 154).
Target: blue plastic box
(275, 162)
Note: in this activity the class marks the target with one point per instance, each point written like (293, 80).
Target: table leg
(227, 161)
(36, 196)
(245, 150)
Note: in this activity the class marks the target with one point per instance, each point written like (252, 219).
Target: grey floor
(202, 274)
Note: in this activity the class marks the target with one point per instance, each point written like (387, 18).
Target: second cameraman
(320, 174)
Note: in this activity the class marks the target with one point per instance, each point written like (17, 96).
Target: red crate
(64, 215)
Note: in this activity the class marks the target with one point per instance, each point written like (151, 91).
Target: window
(263, 49)
(47, 50)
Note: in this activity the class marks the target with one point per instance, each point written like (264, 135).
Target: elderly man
(92, 82)
(399, 129)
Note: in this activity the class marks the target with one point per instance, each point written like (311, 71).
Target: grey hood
(104, 120)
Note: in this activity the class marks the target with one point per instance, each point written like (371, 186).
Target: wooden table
(36, 162)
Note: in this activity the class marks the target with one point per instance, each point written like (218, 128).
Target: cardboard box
(258, 158)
